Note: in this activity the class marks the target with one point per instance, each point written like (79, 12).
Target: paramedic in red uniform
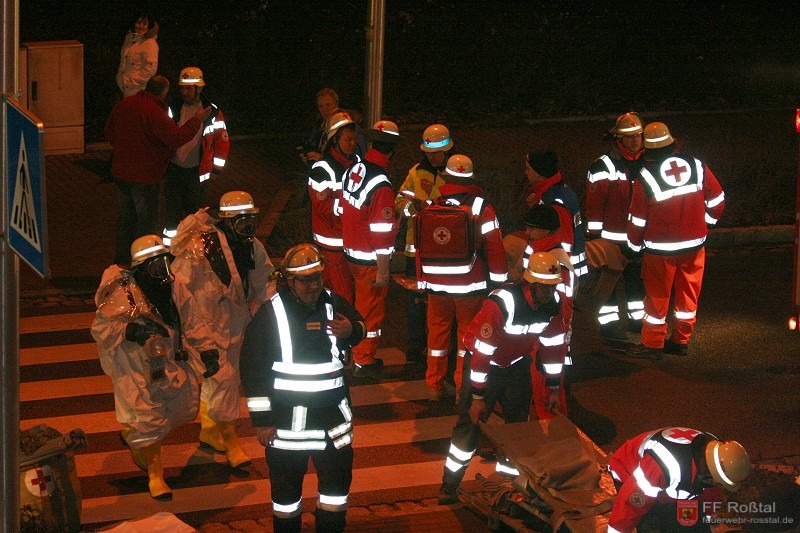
(368, 235)
(499, 341)
(325, 191)
(659, 472)
(675, 199)
(608, 197)
(455, 293)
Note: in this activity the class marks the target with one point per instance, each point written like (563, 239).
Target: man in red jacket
(675, 199)
(144, 139)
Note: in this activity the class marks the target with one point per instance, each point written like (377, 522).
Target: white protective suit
(150, 407)
(215, 315)
(138, 61)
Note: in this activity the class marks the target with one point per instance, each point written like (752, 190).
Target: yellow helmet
(728, 463)
(146, 247)
(302, 260)
(236, 203)
(335, 121)
(628, 124)
(543, 267)
(191, 76)
(656, 135)
(436, 138)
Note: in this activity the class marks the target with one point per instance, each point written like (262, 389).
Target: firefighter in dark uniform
(292, 370)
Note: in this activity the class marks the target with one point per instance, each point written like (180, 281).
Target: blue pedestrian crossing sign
(25, 198)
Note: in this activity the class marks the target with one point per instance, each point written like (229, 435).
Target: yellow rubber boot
(159, 489)
(136, 455)
(209, 431)
(233, 451)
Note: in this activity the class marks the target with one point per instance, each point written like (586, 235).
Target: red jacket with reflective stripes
(368, 225)
(325, 191)
(511, 325)
(675, 199)
(490, 264)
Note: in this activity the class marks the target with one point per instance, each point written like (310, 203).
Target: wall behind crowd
(460, 60)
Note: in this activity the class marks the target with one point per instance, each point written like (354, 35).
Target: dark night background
(493, 62)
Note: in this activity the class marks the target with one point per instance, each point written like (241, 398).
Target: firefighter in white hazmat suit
(138, 337)
(222, 276)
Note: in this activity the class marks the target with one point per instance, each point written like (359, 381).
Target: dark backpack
(448, 236)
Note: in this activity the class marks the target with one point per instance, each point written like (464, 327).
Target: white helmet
(383, 131)
(543, 267)
(335, 121)
(657, 135)
(191, 76)
(234, 203)
(146, 247)
(436, 138)
(728, 463)
(460, 167)
(302, 260)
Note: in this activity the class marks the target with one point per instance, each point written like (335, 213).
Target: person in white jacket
(138, 335)
(138, 60)
(222, 276)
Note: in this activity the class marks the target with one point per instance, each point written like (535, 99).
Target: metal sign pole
(374, 81)
(9, 300)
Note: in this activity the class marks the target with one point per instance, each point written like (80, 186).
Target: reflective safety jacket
(674, 201)
(511, 325)
(216, 143)
(325, 191)
(420, 174)
(368, 225)
(490, 263)
(292, 370)
(608, 196)
(653, 466)
(571, 234)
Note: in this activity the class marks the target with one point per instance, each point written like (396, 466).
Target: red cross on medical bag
(447, 237)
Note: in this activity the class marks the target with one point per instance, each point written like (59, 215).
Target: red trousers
(443, 313)
(337, 274)
(370, 301)
(679, 276)
(541, 392)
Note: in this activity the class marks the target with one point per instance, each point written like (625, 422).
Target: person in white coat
(222, 276)
(138, 60)
(138, 337)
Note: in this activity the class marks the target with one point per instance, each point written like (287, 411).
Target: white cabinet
(53, 90)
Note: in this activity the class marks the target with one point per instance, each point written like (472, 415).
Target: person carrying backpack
(459, 254)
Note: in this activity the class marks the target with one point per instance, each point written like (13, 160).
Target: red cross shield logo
(688, 513)
(675, 171)
(40, 481)
(441, 235)
(358, 173)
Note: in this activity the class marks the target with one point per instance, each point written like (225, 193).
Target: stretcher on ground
(562, 485)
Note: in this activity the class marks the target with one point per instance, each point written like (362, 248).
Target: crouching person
(292, 369)
(138, 336)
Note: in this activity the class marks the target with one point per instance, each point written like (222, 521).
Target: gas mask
(241, 228)
(157, 268)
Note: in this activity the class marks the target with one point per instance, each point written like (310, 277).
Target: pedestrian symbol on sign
(23, 215)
